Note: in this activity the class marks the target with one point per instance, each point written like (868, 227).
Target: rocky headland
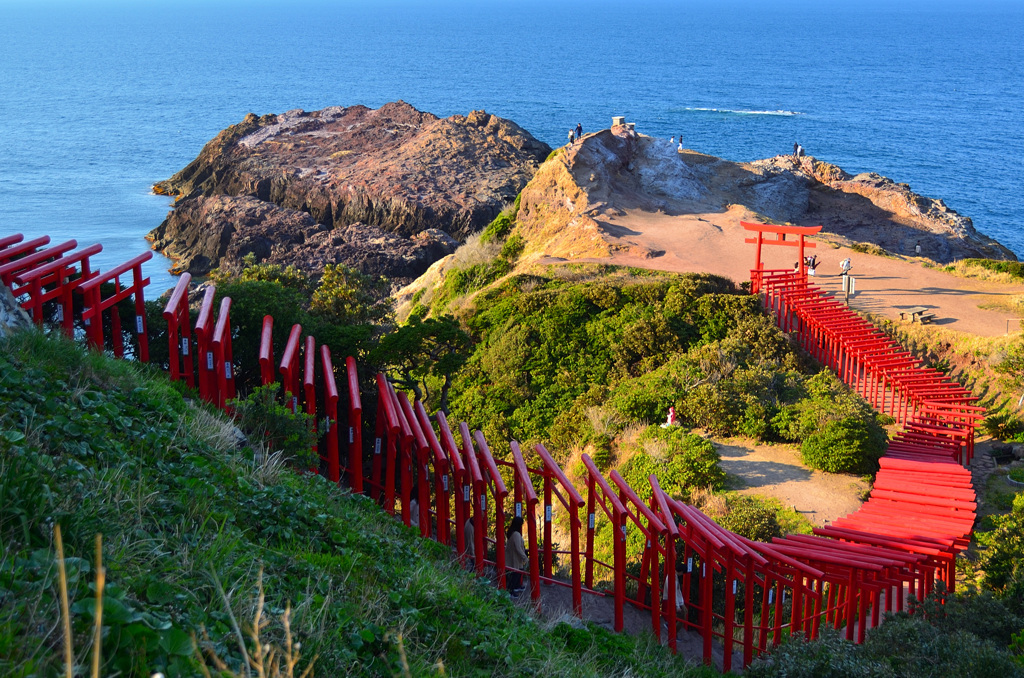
(387, 191)
(569, 208)
(393, 190)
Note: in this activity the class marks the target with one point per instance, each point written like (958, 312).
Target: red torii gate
(781, 232)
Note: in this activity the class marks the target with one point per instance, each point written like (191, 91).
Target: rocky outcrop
(871, 208)
(220, 231)
(285, 179)
(570, 204)
(12, 316)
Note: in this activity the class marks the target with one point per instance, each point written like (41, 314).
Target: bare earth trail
(714, 243)
(776, 471)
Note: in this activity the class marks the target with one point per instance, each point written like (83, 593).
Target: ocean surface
(99, 100)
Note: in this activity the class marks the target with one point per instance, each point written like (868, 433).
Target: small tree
(434, 347)
(345, 295)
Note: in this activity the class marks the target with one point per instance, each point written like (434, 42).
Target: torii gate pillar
(781, 232)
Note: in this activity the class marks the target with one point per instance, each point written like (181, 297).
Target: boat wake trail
(742, 112)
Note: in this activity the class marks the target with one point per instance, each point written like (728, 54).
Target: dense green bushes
(551, 349)
(342, 309)
(1001, 560)
(964, 636)
(681, 460)
(542, 348)
(838, 430)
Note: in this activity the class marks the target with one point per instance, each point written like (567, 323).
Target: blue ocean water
(99, 100)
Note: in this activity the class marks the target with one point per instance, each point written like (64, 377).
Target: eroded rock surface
(12, 316)
(284, 180)
(220, 231)
(569, 208)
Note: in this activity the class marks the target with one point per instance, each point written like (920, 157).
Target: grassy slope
(105, 447)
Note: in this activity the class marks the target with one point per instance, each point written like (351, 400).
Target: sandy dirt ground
(776, 471)
(714, 243)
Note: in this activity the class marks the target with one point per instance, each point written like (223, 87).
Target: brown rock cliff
(397, 169)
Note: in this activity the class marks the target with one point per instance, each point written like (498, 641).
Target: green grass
(988, 269)
(107, 447)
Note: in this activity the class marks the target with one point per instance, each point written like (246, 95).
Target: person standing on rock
(579, 131)
(796, 150)
(571, 133)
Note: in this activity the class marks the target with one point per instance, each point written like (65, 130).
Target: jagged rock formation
(12, 316)
(284, 180)
(219, 231)
(566, 207)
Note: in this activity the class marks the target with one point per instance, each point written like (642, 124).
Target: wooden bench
(917, 314)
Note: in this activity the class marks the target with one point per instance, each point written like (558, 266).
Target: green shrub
(830, 656)
(252, 300)
(499, 228)
(688, 462)
(262, 414)
(513, 247)
(347, 297)
(1002, 425)
(1001, 553)
(839, 431)
(840, 447)
(751, 517)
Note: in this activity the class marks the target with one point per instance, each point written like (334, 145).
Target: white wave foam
(742, 112)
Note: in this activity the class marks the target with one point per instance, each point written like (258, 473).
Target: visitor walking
(414, 507)
(515, 557)
(811, 263)
(469, 534)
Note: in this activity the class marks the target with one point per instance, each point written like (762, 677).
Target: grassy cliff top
(189, 521)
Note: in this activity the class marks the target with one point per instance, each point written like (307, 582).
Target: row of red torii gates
(738, 593)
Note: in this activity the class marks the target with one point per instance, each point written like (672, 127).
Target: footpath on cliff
(714, 243)
(622, 198)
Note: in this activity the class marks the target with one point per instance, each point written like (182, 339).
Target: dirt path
(714, 243)
(776, 471)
